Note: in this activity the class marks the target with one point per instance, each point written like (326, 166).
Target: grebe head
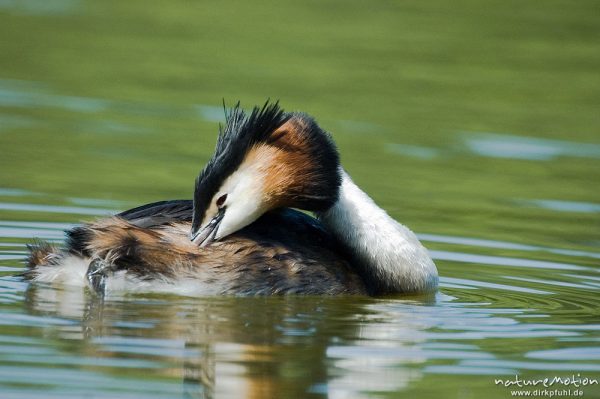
(265, 160)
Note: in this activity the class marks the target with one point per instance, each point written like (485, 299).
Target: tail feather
(40, 253)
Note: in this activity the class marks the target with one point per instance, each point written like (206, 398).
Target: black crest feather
(241, 132)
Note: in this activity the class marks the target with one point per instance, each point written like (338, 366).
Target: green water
(475, 124)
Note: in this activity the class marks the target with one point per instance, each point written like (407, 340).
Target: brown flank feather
(269, 257)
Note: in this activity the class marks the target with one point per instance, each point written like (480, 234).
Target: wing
(287, 225)
(159, 213)
(290, 228)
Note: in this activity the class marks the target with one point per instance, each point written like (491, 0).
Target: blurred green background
(442, 111)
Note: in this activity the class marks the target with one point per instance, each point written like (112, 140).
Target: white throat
(389, 256)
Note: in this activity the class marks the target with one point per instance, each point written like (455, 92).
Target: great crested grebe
(239, 236)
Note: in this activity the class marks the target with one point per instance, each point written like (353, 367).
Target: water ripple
(7, 206)
(530, 148)
(504, 261)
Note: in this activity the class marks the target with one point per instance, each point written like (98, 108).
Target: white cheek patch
(244, 188)
(245, 196)
(238, 216)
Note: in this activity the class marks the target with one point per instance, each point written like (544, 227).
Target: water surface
(475, 125)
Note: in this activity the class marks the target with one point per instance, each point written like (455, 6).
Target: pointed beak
(206, 235)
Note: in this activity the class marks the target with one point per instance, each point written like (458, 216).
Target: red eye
(221, 200)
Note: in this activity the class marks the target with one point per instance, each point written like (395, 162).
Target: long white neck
(387, 254)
